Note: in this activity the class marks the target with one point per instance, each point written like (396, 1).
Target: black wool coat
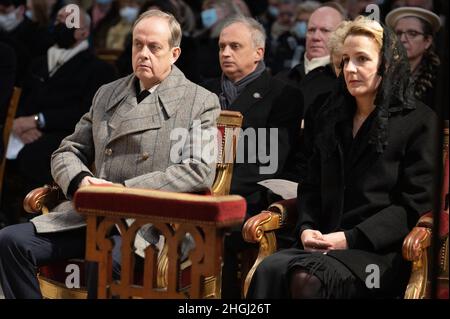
(317, 82)
(384, 194)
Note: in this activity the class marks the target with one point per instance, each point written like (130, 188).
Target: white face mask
(29, 14)
(129, 14)
(9, 21)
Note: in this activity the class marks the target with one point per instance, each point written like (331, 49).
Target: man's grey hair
(256, 29)
(174, 25)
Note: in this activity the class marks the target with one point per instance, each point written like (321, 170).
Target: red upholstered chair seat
(144, 202)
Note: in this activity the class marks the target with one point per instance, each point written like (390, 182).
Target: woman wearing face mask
(369, 180)
(117, 34)
(416, 28)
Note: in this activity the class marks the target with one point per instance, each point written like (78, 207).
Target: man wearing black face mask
(64, 36)
(56, 94)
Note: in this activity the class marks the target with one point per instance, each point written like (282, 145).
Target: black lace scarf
(395, 94)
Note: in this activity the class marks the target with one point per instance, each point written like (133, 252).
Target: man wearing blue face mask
(289, 47)
(19, 32)
(56, 94)
(209, 17)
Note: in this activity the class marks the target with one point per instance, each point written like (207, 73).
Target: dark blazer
(63, 99)
(265, 103)
(317, 82)
(385, 193)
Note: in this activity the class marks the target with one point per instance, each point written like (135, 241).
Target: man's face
(237, 53)
(321, 23)
(152, 56)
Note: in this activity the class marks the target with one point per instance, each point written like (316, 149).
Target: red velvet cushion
(143, 202)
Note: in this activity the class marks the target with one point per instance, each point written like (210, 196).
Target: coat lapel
(128, 117)
(253, 93)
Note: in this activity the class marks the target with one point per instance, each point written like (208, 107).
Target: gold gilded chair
(261, 229)
(417, 246)
(43, 199)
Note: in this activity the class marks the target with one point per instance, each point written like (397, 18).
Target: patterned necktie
(142, 96)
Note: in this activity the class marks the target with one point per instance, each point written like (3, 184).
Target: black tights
(303, 285)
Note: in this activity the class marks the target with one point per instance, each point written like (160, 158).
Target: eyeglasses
(410, 34)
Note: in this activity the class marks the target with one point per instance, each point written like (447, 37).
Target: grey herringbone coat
(131, 144)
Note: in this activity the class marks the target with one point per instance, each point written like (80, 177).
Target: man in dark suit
(272, 114)
(315, 77)
(57, 93)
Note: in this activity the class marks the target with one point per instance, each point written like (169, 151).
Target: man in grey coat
(131, 139)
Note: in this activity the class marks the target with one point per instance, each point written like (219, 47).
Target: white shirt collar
(56, 56)
(151, 90)
(315, 63)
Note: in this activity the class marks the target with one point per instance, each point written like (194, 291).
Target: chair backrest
(10, 115)
(228, 128)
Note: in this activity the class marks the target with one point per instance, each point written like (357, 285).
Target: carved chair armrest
(414, 249)
(418, 239)
(43, 199)
(275, 217)
(261, 229)
(416, 242)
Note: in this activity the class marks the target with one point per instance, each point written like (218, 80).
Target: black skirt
(272, 277)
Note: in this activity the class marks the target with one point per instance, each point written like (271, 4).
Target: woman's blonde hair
(336, 39)
(365, 26)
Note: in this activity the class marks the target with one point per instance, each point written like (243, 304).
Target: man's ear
(81, 34)
(259, 54)
(176, 51)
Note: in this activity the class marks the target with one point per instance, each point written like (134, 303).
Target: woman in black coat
(369, 180)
